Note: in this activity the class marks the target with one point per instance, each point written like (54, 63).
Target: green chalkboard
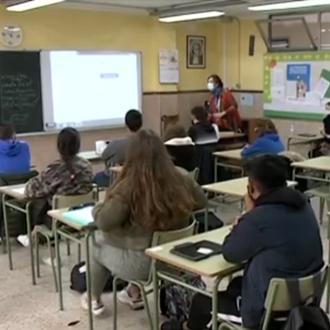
(20, 90)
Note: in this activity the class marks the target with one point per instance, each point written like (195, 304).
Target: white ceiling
(230, 7)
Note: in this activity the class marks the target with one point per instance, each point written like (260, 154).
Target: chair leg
(68, 247)
(115, 302)
(36, 242)
(322, 204)
(52, 262)
(146, 305)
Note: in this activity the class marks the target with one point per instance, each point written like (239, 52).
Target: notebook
(81, 217)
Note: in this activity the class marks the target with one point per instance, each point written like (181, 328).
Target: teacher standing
(223, 107)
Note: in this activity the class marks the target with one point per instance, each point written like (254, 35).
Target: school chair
(60, 202)
(146, 287)
(285, 294)
(16, 220)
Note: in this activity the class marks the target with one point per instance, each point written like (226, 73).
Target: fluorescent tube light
(31, 4)
(190, 17)
(291, 5)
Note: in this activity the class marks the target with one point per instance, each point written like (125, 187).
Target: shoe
(97, 306)
(48, 261)
(125, 298)
(23, 240)
(172, 325)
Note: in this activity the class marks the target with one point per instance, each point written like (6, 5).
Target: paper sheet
(322, 87)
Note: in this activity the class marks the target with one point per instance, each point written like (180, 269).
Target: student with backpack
(278, 236)
(150, 195)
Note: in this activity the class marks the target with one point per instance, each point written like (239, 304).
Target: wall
(51, 28)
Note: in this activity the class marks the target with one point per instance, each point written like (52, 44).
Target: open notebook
(81, 217)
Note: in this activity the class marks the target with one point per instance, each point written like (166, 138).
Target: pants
(39, 209)
(229, 303)
(100, 277)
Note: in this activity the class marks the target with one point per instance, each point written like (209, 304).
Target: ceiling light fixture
(31, 4)
(291, 5)
(191, 16)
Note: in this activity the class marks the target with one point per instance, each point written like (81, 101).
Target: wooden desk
(231, 135)
(10, 195)
(58, 217)
(216, 267)
(235, 187)
(91, 156)
(227, 159)
(304, 140)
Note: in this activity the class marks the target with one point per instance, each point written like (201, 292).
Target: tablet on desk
(197, 251)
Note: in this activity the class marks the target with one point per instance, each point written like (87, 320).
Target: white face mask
(210, 86)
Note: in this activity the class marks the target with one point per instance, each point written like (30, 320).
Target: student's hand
(219, 115)
(249, 203)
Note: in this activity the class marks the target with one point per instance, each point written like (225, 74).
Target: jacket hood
(271, 136)
(10, 148)
(284, 196)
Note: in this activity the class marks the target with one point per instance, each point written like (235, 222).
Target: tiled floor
(27, 307)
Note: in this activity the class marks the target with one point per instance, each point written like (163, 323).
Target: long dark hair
(68, 146)
(156, 190)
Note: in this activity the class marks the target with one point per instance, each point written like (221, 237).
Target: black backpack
(78, 280)
(307, 315)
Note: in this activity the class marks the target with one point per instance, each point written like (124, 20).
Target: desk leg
(58, 261)
(5, 221)
(215, 169)
(88, 281)
(215, 304)
(156, 295)
(206, 215)
(29, 232)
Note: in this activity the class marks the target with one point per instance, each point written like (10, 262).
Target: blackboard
(20, 90)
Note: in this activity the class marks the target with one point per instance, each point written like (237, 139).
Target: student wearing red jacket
(223, 107)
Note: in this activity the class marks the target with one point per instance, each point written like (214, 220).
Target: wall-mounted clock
(11, 36)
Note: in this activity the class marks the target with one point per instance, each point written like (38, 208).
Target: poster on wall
(169, 66)
(296, 85)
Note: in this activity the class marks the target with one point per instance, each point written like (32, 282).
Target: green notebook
(80, 217)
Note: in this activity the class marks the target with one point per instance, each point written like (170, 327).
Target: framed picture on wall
(196, 52)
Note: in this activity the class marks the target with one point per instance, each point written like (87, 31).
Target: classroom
(164, 164)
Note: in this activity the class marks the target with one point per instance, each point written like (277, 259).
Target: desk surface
(210, 267)
(318, 164)
(231, 135)
(230, 154)
(90, 155)
(300, 139)
(235, 187)
(15, 191)
(59, 216)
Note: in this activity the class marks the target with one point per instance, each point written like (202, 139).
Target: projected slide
(89, 89)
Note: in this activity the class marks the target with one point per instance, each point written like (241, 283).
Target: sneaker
(48, 261)
(97, 306)
(23, 240)
(125, 298)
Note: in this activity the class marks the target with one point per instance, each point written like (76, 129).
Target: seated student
(278, 236)
(149, 195)
(267, 142)
(180, 147)
(202, 131)
(325, 145)
(70, 175)
(15, 155)
(114, 153)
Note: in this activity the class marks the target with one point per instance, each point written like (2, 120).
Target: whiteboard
(296, 85)
(89, 89)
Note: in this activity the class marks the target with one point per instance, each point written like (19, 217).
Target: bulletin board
(296, 85)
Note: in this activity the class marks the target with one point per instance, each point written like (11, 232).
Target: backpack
(307, 315)
(175, 300)
(78, 280)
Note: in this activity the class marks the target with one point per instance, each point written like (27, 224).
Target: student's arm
(111, 213)
(197, 192)
(233, 104)
(192, 133)
(244, 242)
(252, 149)
(108, 153)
